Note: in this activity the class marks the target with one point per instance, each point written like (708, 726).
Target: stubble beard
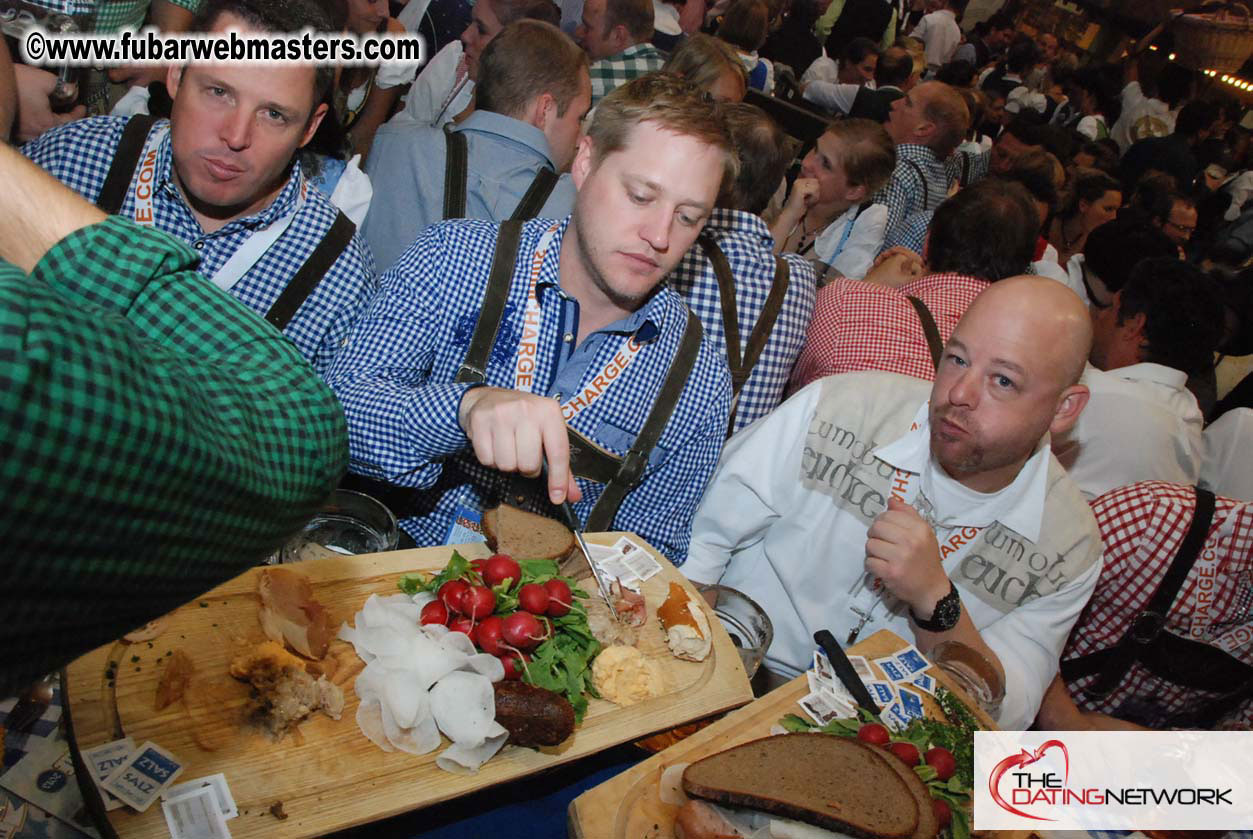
(588, 259)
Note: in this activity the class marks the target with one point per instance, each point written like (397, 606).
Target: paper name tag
(195, 815)
(143, 775)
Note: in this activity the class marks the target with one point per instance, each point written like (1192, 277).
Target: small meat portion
(290, 615)
(629, 605)
(532, 715)
(174, 680)
(697, 820)
(283, 692)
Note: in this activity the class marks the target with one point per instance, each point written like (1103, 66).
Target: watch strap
(945, 615)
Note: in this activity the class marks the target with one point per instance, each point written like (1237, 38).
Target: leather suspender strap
(1113, 663)
(636, 460)
(536, 194)
(125, 159)
(474, 368)
(455, 168)
(742, 367)
(311, 272)
(934, 342)
(926, 193)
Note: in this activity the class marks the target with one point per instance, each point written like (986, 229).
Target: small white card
(103, 760)
(911, 702)
(861, 667)
(195, 815)
(927, 683)
(217, 783)
(637, 559)
(882, 692)
(823, 669)
(142, 776)
(895, 717)
(821, 709)
(912, 661)
(892, 669)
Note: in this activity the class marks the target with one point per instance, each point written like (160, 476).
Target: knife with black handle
(844, 670)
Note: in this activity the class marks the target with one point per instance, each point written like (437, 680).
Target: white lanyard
(528, 347)
(252, 248)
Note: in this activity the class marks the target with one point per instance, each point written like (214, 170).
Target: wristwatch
(948, 610)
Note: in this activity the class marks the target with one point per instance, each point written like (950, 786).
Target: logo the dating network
(1175, 780)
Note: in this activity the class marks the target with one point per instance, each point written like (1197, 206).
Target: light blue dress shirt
(407, 162)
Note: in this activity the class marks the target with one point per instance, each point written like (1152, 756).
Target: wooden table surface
(327, 775)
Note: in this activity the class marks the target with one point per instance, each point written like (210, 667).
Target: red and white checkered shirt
(863, 326)
(1142, 526)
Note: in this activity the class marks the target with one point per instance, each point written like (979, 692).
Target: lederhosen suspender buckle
(456, 181)
(1113, 663)
(1146, 626)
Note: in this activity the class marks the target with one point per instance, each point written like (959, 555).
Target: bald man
(877, 501)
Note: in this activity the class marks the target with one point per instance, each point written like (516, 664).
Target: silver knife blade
(572, 522)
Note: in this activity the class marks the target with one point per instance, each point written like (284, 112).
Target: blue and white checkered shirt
(79, 155)
(749, 249)
(395, 379)
(918, 185)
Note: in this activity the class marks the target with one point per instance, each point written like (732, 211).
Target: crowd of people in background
(962, 302)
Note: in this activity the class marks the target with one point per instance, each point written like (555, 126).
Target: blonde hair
(702, 59)
(669, 102)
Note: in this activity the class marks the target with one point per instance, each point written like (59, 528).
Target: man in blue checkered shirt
(926, 124)
(737, 231)
(585, 344)
(222, 175)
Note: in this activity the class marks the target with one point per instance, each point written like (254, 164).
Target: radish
(534, 598)
(559, 598)
(943, 813)
(451, 593)
(478, 602)
(462, 624)
(487, 635)
(906, 751)
(874, 734)
(511, 661)
(434, 612)
(942, 761)
(522, 630)
(499, 568)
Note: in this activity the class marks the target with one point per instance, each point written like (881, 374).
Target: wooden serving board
(629, 806)
(327, 775)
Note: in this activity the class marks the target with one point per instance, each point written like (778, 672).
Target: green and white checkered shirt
(617, 70)
(159, 439)
(112, 15)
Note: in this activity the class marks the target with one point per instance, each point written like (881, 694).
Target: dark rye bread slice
(835, 783)
(525, 535)
(928, 824)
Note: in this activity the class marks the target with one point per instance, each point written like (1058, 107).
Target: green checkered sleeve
(158, 437)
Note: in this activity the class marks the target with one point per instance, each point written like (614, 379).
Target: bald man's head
(1009, 375)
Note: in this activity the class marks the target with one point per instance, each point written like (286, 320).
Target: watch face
(948, 611)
